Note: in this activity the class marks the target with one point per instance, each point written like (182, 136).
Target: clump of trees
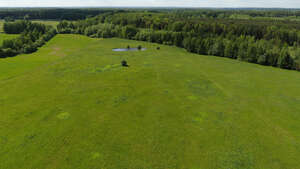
(32, 36)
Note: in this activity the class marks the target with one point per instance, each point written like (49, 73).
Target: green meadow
(71, 105)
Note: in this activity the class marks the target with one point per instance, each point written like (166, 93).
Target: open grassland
(4, 36)
(72, 106)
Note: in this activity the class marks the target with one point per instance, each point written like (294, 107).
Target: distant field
(47, 22)
(72, 106)
(4, 36)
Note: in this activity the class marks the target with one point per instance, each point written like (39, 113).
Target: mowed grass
(72, 106)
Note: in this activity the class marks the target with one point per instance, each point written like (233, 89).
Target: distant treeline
(32, 36)
(233, 12)
(50, 13)
(82, 13)
(262, 42)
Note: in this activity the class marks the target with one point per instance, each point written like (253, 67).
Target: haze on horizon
(153, 3)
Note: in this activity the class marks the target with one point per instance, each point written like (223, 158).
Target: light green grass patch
(199, 117)
(105, 68)
(192, 97)
(63, 116)
(96, 155)
(177, 65)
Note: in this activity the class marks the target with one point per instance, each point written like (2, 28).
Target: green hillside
(72, 106)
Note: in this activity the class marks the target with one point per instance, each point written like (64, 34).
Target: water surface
(128, 49)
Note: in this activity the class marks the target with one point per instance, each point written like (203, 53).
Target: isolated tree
(139, 47)
(124, 63)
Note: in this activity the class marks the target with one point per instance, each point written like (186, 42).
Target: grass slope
(71, 106)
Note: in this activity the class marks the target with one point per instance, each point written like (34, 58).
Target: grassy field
(72, 106)
(4, 36)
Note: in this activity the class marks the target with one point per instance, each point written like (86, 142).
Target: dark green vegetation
(4, 36)
(266, 42)
(11, 14)
(71, 105)
(32, 36)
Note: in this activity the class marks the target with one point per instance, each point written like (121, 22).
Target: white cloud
(154, 3)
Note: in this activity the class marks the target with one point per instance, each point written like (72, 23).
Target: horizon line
(149, 7)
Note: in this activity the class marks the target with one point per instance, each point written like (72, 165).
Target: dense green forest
(32, 36)
(50, 13)
(82, 13)
(262, 41)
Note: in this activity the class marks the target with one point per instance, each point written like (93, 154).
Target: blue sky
(153, 3)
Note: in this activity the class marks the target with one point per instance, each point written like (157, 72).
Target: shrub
(139, 47)
(124, 63)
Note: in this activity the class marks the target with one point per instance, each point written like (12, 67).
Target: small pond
(127, 49)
